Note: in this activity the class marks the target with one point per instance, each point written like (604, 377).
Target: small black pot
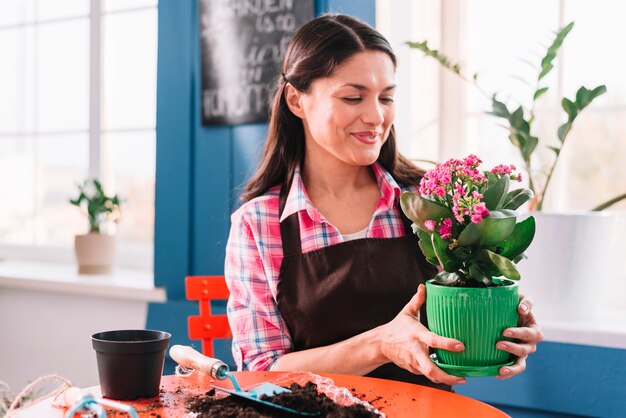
(130, 362)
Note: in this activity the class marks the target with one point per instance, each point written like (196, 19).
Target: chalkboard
(243, 44)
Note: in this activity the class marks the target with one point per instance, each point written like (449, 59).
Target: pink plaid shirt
(254, 253)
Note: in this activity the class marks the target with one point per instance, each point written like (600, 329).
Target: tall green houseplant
(519, 120)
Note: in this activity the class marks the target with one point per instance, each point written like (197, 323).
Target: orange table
(395, 399)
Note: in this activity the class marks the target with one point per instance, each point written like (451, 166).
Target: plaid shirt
(254, 254)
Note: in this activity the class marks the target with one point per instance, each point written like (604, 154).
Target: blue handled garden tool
(189, 359)
(78, 401)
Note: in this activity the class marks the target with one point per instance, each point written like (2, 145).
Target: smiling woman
(321, 235)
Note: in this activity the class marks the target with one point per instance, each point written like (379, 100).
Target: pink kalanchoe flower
(479, 211)
(477, 195)
(445, 230)
(471, 161)
(430, 225)
(503, 169)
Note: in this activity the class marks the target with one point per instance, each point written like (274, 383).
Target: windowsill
(607, 329)
(125, 284)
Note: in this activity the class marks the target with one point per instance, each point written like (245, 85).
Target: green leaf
(519, 240)
(564, 130)
(529, 146)
(495, 194)
(419, 209)
(445, 277)
(504, 265)
(426, 246)
(499, 109)
(516, 198)
(546, 62)
(492, 230)
(570, 108)
(539, 93)
(440, 246)
(556, 150)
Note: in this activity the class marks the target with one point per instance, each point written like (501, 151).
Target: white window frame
(133, 257)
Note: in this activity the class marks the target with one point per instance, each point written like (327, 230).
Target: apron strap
(289, 227)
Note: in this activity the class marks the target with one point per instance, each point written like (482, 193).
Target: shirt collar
(298, 200)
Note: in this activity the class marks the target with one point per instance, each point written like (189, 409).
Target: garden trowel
(190, 359)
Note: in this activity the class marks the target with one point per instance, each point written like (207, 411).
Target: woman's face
(347, 116)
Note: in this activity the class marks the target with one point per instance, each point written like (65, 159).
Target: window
(78, 100)
(440, 116)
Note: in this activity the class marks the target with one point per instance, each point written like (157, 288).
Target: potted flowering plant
(95, 251)
(467, 225)
(562, 235)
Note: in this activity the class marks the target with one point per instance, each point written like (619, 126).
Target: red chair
(207, 327)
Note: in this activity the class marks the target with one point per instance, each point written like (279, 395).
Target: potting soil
(301, 398)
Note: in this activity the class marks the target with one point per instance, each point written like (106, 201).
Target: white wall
(50, 333)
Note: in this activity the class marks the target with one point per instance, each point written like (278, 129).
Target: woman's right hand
(405, 342)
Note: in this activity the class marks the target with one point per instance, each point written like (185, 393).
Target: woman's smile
(367, 137)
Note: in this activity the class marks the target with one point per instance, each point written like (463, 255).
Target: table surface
(395, 399)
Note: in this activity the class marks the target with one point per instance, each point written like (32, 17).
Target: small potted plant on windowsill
(95, 251)
(466, 221)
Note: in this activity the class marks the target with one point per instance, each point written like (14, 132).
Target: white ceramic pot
(95, 253)
(571, 263)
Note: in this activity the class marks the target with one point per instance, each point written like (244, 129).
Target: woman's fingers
(434, 373)
(437, 341)
(516, 368)
(525, 305)
(519, 350)
(415, 304)
(527, 334)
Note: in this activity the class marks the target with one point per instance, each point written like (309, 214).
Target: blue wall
(199, 172)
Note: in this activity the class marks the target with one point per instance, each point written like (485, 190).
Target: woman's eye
(387, 99)
(352, 99)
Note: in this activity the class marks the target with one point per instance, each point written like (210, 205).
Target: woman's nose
(373, 114)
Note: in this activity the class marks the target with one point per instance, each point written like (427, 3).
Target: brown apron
(336, 292)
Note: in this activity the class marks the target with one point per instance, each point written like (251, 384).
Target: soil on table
(301, 398)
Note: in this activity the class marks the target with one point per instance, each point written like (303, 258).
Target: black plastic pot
(130, 362)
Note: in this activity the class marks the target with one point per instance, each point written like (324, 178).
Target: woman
(321, 263)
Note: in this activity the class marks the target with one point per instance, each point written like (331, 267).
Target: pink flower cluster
(445, 227)
(448, 177)
(503, 169)
(458, 185)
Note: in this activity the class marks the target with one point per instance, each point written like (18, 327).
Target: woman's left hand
(525, 337)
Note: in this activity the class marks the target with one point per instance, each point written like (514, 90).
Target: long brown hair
(320, 46)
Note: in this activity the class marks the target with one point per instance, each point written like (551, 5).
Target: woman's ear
(293, 97)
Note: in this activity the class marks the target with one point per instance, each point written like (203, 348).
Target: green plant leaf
(516, 198)
(539, 92)
(585, 96)
(503, 264)
(426, 246)
(546, 62)
(445, 277)
(519, 240)
(570, 108)
(529, 146)
(495, 194)
(419, 209)
(564, 130)
(499, 109)
(556, 150)
(492, 230)
(440, 246)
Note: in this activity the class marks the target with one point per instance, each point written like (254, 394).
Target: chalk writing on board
(243, 43)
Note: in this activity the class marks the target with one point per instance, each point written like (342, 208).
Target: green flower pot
(476, 317)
